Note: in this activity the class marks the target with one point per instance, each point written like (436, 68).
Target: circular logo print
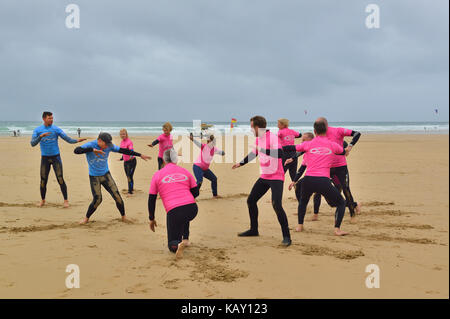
(320, 151)
(174, 178)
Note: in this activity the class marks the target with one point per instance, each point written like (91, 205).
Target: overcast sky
(180, 60)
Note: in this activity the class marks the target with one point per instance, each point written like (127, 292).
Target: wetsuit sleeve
(128, 152)
(151, 206)
(66, 138)
(220, 152)
(276, 153)
(194, 191)
(298, 154)
(83, 150)
(356, 135)
(193, 185)
(197, 143)
(35, 139)
(155, 142)
(298, 135)
(345, 144)
(299, 173)
(250, 157)
(289, 148)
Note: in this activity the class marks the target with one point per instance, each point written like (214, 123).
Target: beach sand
(401, 180)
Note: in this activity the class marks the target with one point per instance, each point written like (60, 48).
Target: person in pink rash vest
(287, 137)
(201, 165)
(319, 154)
(129, 162)
(164, 141)
(178, 190)
(272, 177)
(339, 169)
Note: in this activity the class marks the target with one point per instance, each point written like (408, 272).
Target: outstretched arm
(250, 157)
(83, 150)
(197, 143)
(276, 153)
(67, 138)
(126, 151)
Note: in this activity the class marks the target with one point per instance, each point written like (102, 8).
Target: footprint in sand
(316, 250)
(171, 284)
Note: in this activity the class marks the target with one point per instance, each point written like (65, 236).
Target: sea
(7, 128)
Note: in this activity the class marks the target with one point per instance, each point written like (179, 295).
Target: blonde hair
(284, 122)
(124, 130)
(168, 126)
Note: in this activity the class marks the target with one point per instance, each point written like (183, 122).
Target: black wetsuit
(259, 189)
(177, 219)
(55, 161)
(130, 167)
(160, 160)
(107, 182)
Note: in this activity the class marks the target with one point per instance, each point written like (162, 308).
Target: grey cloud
(210, 59)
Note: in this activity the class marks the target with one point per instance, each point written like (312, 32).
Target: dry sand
(402, 181)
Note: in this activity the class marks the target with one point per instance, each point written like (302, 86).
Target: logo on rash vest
(174, 178)
(288, 138)
(320, 151)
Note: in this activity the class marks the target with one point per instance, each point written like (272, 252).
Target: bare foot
(339, 232)
(84, 221)
(299, 228)
(129, 195)
(315, 217)
(66, 204)
(179, 253)
(186, 242)
(217, 196)
(41, 204)
(358, 209)
(353, 220)
(126, 220)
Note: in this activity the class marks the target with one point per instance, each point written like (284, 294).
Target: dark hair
(46, 113)
(320, 127)
(259, 121)
(211, 138)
